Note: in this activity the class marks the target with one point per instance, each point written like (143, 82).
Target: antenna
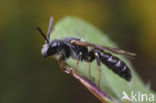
(50, 26)
(47, 40)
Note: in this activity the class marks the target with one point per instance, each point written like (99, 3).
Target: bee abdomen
(116, 65)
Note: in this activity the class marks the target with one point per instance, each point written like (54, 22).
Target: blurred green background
(26, 77)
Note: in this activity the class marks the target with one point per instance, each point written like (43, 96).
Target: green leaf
(111, 83)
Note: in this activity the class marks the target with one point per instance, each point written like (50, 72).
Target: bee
(78, 50)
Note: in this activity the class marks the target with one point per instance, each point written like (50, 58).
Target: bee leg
(77, 62)
(89, 70)
(60, 62)
(99, 68)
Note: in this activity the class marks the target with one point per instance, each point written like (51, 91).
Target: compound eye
(52, 50)
(53, 45)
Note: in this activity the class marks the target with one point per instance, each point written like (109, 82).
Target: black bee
(78, 50)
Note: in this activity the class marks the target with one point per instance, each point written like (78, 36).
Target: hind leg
(77, 62)
(89, 70)
(99, 68)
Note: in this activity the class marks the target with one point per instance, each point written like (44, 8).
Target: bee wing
(102, 47)
(50, 27)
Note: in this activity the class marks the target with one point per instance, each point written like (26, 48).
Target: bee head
(47, 50)
(50, 49)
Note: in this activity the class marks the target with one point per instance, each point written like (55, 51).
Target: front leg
(61, 63)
